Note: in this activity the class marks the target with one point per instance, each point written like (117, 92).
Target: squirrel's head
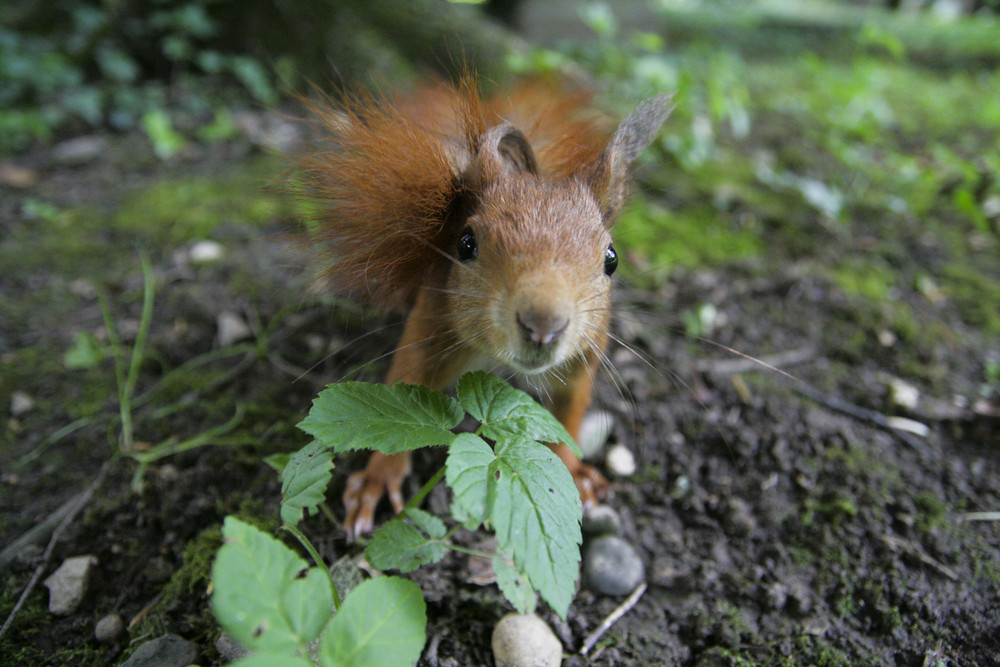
(531, 282)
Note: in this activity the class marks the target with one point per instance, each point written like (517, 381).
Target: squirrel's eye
(610, 261)
(467, 248)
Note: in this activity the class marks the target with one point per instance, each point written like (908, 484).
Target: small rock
(20, 403)
(68, 584)
(78, 151)
(232, 328)
(109, 629)
(601, 520)
(594, 432)
(165, 651)
(17, 177)
(903, 394)
(738, 517)
(204, 252)
(229, 649)
(524, 640)
(620, 461)
(611, 566)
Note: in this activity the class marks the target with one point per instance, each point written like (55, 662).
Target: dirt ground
(776, 527)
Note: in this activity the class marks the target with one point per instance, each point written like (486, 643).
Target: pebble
(68, 584)
(524, 640)
(204, 252)
(229, 649)
(165, 651)
(109, 629)
(595, 429)
(903, 394)
(611, 566)
(620, 461)
(601, 520)
(80, 150)
(231, 328)
(20, 403)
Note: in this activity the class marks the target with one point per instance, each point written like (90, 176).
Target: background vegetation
(842, 149)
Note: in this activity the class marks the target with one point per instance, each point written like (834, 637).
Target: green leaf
(506, 412)
(391, 419)
(535, 509)
(466, 472)
(304, 481)
(271, 659)
(86, 352)
(264, 595)
(381, 624)
(514, 586)
(400, 546)
(158, 127)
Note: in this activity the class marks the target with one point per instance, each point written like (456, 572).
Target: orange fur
(393, 170)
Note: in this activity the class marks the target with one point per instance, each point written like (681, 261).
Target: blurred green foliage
(80, 63)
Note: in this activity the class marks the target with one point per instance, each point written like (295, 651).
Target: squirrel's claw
(382, 476)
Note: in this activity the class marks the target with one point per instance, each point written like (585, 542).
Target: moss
(182, 210)
(976, 294)
(656, 240)
(931, 511)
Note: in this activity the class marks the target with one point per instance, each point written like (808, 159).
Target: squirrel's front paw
(383, 475)
(592, 485)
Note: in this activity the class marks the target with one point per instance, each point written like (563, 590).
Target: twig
(620, 610)
(81, 501)
(899, 544)
(981, 516)
(902, 429)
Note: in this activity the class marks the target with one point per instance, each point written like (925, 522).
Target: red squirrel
(488, 220)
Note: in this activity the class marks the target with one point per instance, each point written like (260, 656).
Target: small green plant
(516, 486)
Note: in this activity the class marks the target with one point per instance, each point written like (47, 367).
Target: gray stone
(232, 328)
(165, 651)
(229, 649)
(109, 629)
(601, 520)
(80, 150)
(68, 584)
(524, 640)
(611, 566)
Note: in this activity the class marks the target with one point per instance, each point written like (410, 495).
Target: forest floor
(784, 514)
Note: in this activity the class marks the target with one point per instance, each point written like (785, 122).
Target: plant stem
(308, 546)
(424, 490)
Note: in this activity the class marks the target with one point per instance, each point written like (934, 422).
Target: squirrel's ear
(504, 150)
(608, 178)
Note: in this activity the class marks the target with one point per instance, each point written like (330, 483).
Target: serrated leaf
(264, 595)
(515, 587)
(535, 509)
(391, 419)
(380, 624)
(466, 472)
(506, 412)
(401, 546)
(304, 480)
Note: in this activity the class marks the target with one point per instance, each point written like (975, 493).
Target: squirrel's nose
(542, 327)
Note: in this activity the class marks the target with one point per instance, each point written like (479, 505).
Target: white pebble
(594, 432)
(68, 584)
(620, 461)
(20, 403)
(232, 328)
(903, 394)
(524, 640)
(204, 252)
